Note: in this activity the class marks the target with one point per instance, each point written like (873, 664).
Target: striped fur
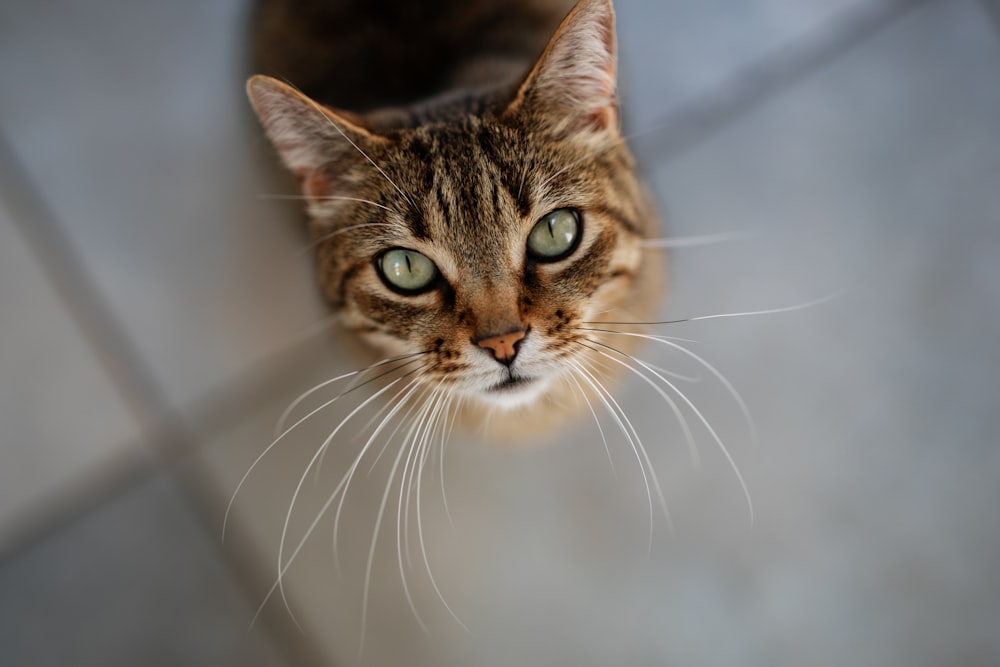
(461, 177)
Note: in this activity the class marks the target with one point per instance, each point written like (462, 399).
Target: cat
(476, 214)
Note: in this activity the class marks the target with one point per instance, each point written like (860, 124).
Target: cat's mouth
(510, 384)
(514, 391)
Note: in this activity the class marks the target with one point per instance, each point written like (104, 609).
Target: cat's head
(482, 233)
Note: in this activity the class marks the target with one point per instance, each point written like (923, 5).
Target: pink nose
(503, 346)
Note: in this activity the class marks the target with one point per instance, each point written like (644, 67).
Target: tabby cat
(475, 210)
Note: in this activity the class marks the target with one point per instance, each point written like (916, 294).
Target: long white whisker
(397, 404)
(641, 449)
(405, 419)
(426, 445)
(283, 419)
(445, 437)
(694, 241)
(260, 457)
(589, 156)
(737, 397)
(749, 313)
(282, 566)
(378, 415)
(411, 446)
(678, 376)
(406, 491)
(628, 430)
(682, 420)
(343, 230)
(371, 554)
(366, 156)
(597, 421)
(697, 412)
(326, 198)
(416, 471)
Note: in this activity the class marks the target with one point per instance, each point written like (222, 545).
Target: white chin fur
(510, 399)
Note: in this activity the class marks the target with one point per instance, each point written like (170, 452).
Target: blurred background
(158, 313)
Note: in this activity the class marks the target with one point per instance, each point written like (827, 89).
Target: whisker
(404, 420)
(693, 379)
(769, 311)
(327, 198)
(645, 455)
(446, 399)
(694, 241)
(681, 419)
(381, 411)
(597, 421)
(697, 412)
(407, 391)
(281, 436)
(632, 436)
(737, 397)
(417, 431)
(352, 388)
(274, 442)
(412, 437)
(445, 437)
(367, 157)
(371, 555)
(282, 420)
(343, 230)
(638, 324)
(282, 565)
(589, 156)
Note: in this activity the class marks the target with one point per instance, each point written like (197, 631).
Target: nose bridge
(495, 308)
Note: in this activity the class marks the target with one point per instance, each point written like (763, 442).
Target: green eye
(406, 271)
(555, 236)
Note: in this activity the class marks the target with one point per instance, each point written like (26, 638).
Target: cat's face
(480, 240)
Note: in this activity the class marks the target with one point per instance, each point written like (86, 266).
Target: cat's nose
(504, 347)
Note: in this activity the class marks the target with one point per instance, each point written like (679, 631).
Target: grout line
(992, 9)
(76, 500)
(704, 116)
(136, 385)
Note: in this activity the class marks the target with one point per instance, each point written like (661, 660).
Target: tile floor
(157, 314)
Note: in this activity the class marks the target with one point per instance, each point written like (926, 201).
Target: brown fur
(462, 178)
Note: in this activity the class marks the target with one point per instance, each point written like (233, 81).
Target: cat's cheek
(385, 344)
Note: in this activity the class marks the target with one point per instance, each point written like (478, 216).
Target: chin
(521, 412)
(513, 394)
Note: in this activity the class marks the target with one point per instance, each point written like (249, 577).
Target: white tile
(875, 483)
(63, 421)
(134, 583)
(674, 51)
(131, 119)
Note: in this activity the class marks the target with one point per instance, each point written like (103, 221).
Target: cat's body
(475, 210)
(363, 55)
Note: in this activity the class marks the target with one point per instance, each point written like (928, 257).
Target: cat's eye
(555, 236)
(406, 271)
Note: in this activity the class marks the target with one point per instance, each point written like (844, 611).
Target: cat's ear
(310, 138)
(572, 87)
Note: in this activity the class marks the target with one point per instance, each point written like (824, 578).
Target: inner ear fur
(573, 85)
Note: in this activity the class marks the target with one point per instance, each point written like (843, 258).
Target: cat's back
(361, 55)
